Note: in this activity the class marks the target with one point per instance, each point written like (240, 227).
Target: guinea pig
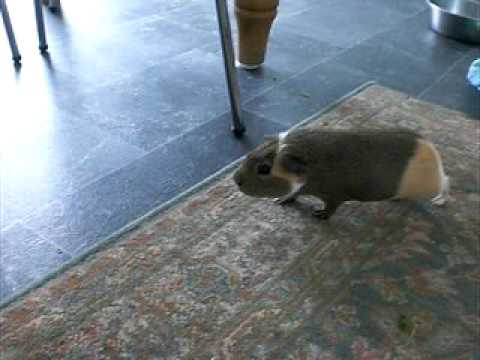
(344, 165)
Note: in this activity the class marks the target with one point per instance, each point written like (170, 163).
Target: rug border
(135, 224)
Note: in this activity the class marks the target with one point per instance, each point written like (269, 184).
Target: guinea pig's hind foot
(322, 214)
(327, 211)
(444, 196)
(440, 200)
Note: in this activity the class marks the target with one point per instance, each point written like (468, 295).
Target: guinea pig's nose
(237, 178)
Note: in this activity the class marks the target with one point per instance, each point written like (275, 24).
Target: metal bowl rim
(433, 4)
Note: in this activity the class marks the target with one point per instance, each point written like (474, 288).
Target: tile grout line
(330, 106)
(444, 75)
(293, 76)
(407, 17)
(88, 183)
(54, 244)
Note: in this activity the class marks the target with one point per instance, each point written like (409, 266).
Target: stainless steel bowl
(458, 19)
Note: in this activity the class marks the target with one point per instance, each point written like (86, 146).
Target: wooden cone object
(254, 20)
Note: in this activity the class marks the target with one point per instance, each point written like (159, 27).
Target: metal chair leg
(9, 29)
(53, 5)
(229, 62)
(40, 26)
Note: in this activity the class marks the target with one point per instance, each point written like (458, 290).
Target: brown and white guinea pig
(344, 165)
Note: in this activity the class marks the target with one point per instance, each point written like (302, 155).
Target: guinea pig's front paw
(322, 214)
(284, 200)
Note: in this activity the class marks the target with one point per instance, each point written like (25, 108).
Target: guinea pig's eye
(263, 169)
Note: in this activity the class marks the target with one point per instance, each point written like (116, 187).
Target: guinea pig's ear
(292, 163)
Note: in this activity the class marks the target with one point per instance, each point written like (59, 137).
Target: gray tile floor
(130, 108)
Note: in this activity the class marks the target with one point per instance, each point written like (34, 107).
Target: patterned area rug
(224, 276)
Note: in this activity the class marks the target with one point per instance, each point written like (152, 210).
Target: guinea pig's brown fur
(341, 165)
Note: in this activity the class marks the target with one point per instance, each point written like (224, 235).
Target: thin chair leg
(54, 5)
(229, 62)
(40, 26)
(9, 29)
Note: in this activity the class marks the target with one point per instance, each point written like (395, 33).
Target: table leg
(229, 62)
(9, 29)
(40, 26)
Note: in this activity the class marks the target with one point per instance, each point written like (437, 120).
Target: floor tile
(47, 154)
(395, 67)
(87, 216)
(91, 59)
(409, 57)
(453, 90)
(161, 103)
(293, 53)
(89, 19)
(25, 257)
(126, 50)
(78, 221)
(416, 37)
(307, 93)
(346, 23)
(287, 8)
(201, 15)
(116, 12)
(287, 54)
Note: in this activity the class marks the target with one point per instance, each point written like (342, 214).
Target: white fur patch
(281, 139)
(295, 187)
(442, 198)
(282, 136)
